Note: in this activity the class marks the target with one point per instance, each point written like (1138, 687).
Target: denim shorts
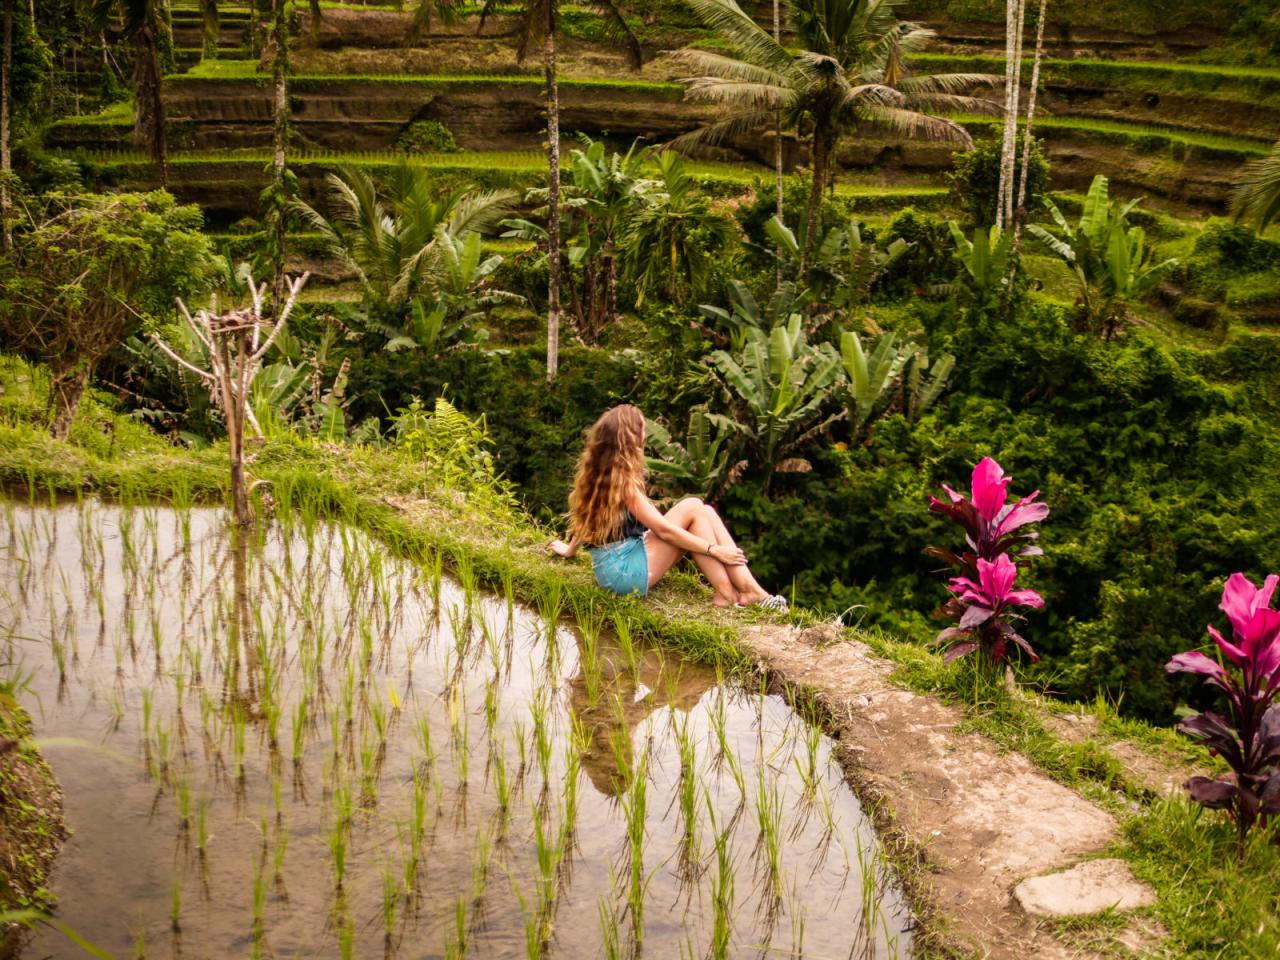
(622, 566)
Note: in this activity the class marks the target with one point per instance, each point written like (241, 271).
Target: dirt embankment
(975, 820)
(31, 825)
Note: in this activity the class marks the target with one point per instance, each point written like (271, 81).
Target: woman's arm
(565, 550)
(642, 509)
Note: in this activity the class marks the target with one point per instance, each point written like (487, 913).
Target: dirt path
(982, 820)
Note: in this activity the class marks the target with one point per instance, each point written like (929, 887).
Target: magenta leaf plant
(1247, 670)
(984, 602)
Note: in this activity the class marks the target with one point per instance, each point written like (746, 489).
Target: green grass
(1137, 136)
(235, 70)
(521, 164)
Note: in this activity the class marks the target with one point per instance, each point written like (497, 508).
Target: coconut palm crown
(848, 72)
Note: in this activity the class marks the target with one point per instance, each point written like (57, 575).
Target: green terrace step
(227, 186)
(1142, 138)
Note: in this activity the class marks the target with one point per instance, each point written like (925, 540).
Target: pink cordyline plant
(1249, 738)
(996, 531)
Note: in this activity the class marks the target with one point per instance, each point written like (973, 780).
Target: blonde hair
(611, 465)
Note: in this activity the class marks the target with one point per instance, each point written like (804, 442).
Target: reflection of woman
(632, 543)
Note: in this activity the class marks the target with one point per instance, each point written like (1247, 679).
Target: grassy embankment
(1209, 905)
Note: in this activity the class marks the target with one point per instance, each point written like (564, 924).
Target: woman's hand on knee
(729, 556)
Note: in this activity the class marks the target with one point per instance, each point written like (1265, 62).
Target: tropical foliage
(1108, 256)
(1257, 198)
(848, 72)
(983, 598)
(1247, 670)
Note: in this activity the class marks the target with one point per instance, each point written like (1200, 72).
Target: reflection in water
(284, 743)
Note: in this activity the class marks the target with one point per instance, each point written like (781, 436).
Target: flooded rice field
(291, 744)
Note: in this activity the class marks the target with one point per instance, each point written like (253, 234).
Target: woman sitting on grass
(632, 543)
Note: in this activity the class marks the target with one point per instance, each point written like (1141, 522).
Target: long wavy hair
(611, 465)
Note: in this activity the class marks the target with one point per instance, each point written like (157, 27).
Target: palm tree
(144, 22)
(673, 237)
(391, 237)
(849, 72)
(6, 158)
(1257, 196)
(538, 21)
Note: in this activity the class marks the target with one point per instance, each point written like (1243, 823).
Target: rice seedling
(769, 839)
(635, 811)
(183, 795)
(622, 628)
(277, 856)
(722, 892)
(175, 905)
(455, 947)
(259, 904)
(390, 903)
(346, 938)
(609, 932)
(687, 794)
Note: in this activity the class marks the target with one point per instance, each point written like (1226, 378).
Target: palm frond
(748, 96)
(948, 82)
(922, 126)
(701, 64)
(752, 43)
(723, 130)
(1257, 198)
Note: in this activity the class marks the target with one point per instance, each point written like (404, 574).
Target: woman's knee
(690, 503)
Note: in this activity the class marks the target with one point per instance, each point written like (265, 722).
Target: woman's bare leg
(691, 515)
(743, 580)
(663, 556)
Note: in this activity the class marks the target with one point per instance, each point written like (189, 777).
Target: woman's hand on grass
(562, 549)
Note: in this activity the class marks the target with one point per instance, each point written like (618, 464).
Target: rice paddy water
(288, 743)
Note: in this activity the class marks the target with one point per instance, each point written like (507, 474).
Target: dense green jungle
(837, 251)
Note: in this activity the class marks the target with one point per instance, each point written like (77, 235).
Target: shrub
(426, 136)
(975, 180)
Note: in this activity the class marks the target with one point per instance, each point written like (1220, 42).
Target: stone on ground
(1087, 888)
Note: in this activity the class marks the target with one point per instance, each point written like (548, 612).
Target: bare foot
(721, 601)
(747, 599)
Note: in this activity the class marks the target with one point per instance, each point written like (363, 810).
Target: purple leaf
(1214, 794)
(959, 650)
(975, 616)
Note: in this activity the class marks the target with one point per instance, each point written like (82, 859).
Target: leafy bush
(426, 136)
(975, 179)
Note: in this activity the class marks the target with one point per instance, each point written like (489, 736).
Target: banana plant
(871, 377)
(893, 373)
(745, 312)
(780, 385)
(921, 387)
(844, 266)
(987, 260)
(1108, 256)
(700, 465)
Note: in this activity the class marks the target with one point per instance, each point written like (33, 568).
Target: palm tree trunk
(1012, 87)
(777, 134)
(6, 158)
(149, 122)
(553, 193)
(821, 154)
(1019, 209)
(279, 144)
